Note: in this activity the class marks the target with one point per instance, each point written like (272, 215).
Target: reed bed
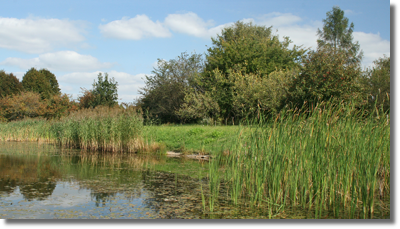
(26, 130)
(100, 129)
(331, 159)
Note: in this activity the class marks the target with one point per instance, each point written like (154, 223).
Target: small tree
(338, 34)
(9, 84)
(104, 92)
(87, 100)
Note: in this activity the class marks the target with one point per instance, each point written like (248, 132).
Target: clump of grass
(331, 158)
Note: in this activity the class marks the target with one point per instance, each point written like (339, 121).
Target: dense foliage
(30, 105)
(235, 81)
(104, 92)
(325, 74)
(251, 49)
(9, 84)
(42, 82)
(377, 83)
(51, 78)
(165, 89)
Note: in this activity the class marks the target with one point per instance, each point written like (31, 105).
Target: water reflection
(38, 181)
(35, 176)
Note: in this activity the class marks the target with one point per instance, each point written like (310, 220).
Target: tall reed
(100, 129)
(331, 159)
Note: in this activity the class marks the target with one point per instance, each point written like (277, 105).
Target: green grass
(192, 138)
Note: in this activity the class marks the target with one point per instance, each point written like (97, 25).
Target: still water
(42, 181)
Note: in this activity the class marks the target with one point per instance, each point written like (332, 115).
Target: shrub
(26, 104)
(376, 82)
(58, 106)
(325, 74)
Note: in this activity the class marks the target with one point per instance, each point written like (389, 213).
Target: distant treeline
(247, 72)
(38, 95)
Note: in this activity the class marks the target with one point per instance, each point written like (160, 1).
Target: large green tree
(165, 89)
(9, 84)
(251, 49)
(338, 34)
(247, 50)
(35, 81)
(52, 80)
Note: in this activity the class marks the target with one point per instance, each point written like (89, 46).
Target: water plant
(332, 159)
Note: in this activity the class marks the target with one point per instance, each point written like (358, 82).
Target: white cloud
(59, 61)
(188, 23)
(34, 35)
(372, 45)
(277, 19)
(141, 27)
(305, 33)
(135, 28)
(349, 12)
(289, 25)
(191, 24)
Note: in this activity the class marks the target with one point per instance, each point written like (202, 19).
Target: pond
(42, 181)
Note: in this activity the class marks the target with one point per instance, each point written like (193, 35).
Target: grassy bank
(192, 138)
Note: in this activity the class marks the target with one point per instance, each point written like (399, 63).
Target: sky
(76, 40)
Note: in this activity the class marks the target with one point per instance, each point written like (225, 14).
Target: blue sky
(78, 39)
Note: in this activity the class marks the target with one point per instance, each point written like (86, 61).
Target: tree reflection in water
(34, 176)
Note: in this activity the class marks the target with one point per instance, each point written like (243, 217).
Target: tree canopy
(251, 49)
(104, 92)
(51, 78)
(325, 74)
(9, 84)
(242, 50)
(35, 81)
(165, 89)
